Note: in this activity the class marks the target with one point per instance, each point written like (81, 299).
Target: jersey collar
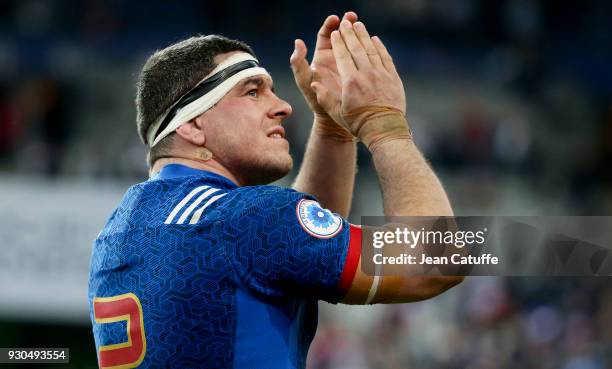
(179, 170)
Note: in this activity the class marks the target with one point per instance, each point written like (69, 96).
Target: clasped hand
(352, 80)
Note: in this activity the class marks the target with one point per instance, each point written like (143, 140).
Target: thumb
(324, 97)
(299, 50)
(299, 65)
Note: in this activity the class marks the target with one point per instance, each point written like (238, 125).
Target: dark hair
(169, 74)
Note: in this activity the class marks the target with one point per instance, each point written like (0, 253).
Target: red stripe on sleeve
(352, 259)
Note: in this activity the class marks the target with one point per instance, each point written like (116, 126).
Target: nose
(280, 110)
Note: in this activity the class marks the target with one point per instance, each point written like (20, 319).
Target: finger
(344, 61)
(304, 75)
(299, 51)
(366, 42)
(384, 55)
(330, 24)
(354, 46)
(298, 61)
(350, 16)
(299, 64)
(300, 68)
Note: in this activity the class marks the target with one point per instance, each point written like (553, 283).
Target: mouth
(276, 132)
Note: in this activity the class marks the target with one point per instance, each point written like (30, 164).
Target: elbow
(454, 280)
(444, 283)
(412, 288)
(434, 286)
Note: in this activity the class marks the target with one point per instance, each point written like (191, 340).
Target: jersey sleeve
(285, 244)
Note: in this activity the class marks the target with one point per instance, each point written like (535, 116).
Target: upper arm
(277, 248)
(283, 243)
(390, 289)
(366, 289)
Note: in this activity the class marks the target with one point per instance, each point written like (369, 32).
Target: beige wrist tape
(375, 125)
(326, 126)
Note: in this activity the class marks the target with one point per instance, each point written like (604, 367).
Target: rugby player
(204, 265)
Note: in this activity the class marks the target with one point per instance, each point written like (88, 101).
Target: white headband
(206, 101)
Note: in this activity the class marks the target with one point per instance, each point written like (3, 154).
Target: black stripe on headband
(203, 88)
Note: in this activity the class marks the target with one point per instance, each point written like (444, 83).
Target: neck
(209, 165)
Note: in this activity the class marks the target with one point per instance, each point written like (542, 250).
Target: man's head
(239, 129)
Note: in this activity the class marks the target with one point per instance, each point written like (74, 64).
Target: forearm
(373, 107)
(328, 172)
(409, 186)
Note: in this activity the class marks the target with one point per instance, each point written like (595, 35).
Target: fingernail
(359, 25)
(346, 24)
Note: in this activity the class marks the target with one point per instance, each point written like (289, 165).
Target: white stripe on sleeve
(180, 205)
(196, 216)
(188, 211)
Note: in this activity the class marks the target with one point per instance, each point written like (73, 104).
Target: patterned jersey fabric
(192, 271)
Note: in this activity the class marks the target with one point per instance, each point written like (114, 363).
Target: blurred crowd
(513, 91)
(488, 323)
(511, 101)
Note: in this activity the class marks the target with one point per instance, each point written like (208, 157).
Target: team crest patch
(315, 220)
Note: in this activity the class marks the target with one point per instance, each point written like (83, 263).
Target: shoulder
(191, 199)
(255, 196)
(171, 201)
(266, 200)
(277, 207)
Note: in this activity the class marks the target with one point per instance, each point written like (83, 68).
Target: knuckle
(354, 48)
(352, 81)
(376, 76)
(373, 73)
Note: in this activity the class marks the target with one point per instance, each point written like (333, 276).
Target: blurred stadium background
(510, 100)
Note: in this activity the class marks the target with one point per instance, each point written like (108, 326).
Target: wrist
(392, 146)
(378, 129)
(322, 118)
(325, 126)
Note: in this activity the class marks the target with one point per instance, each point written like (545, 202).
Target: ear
(192, 132)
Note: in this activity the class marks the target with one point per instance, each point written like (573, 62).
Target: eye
(252, 92)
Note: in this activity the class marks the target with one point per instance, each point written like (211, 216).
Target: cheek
(236, 130)
(235, 141)
(240, 109)
(226, 126)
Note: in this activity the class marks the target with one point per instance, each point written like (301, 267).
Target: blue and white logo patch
(315, 220)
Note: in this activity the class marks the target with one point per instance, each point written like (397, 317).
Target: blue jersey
(192, 271)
